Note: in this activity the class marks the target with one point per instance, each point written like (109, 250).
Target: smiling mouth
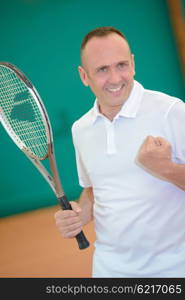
(115, 89)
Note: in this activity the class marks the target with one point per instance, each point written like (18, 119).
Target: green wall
(42, 37)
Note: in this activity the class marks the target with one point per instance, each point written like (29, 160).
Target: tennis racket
(24, 117)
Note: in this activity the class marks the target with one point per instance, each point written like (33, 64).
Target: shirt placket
(110, 130)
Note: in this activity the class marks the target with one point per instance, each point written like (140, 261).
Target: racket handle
(80, 237)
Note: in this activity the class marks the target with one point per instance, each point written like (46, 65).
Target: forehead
(105, 50)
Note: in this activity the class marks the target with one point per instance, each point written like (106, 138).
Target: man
(130, 153)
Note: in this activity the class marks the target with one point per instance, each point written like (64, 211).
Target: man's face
(108, 68)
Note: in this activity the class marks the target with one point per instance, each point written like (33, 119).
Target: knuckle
(71, 221)
(76, 226)
(57, 214)
(57, 223)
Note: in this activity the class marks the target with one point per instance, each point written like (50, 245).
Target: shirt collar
(129, 108)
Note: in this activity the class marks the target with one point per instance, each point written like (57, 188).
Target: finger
(148, 144)
(162, 140)
(66, 229)
(150, 139)
(75, 206)
(70, 221)
(74, 227)
(72, 234)
(68, 226)
(157, 141)
(63, 214)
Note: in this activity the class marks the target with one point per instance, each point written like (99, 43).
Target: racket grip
(83, 243)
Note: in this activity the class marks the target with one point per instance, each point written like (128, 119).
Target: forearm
(86, 202)
(175, 173)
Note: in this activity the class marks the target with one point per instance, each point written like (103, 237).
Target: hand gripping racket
(24, 117)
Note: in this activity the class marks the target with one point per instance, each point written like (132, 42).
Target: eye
(122, 65)
(103, 69)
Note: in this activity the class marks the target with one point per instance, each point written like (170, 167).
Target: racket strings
(22, 114)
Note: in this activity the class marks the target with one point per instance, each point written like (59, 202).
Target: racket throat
(56, 179)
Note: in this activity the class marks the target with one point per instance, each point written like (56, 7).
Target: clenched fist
(155, 155)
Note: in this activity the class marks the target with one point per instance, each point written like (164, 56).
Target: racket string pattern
(22, 113)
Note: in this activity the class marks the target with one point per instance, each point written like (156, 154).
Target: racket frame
(54, 179)
(54, 182)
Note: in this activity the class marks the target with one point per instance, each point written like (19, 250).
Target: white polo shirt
(139, 218)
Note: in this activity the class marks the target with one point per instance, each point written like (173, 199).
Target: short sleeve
(175, 127)
(83, 177)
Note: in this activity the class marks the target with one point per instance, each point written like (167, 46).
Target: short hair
(100, 32)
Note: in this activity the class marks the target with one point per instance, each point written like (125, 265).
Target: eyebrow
(107, 66)
(101, 67)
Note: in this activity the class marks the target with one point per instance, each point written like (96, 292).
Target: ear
(133, 63)
(83, 75)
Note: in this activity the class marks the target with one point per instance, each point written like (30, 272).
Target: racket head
(23, 114)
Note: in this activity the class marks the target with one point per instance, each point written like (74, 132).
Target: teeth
(115, 90)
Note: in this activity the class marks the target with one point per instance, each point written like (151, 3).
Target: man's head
(107, 66)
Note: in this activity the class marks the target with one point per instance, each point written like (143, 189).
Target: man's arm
(86, 202)
(155, 155)
(176, 174)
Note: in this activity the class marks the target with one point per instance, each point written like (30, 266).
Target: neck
(110, 112)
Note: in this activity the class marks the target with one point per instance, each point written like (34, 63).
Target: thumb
(161, 140)
(158, 141)
(75, 206)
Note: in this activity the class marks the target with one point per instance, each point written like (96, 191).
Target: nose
(114, 76)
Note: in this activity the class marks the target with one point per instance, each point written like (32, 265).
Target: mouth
(115, 90)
